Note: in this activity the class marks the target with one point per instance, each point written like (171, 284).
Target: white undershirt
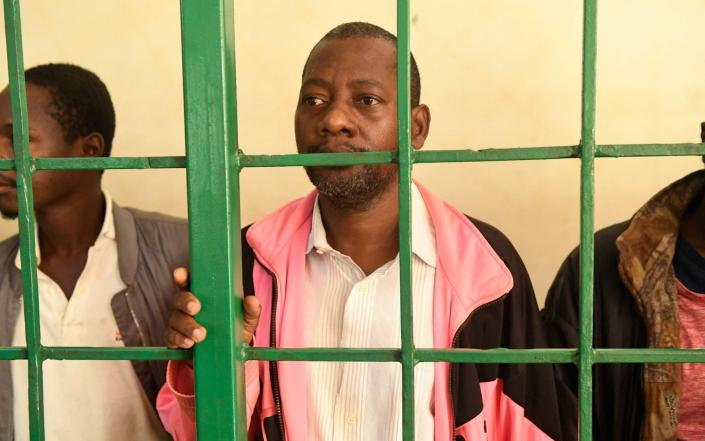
(85, 400)
(362, 401)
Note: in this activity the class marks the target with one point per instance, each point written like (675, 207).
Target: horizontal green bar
(108, 163)
(131, 353)
(340, 159)
(421, 355)
(499, 355)
(323, 354)
(637, 150)
(8, 353)
(508, 154)
(307, 159)
(649, 356)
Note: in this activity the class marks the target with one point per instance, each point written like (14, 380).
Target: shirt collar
(107, 231)
(423, 243)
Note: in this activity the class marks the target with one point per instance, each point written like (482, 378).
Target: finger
(187, 303)
(252, 310)
(182, 277)
(187, 326)
(176, 340)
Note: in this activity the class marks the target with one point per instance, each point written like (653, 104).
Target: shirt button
(350, 419)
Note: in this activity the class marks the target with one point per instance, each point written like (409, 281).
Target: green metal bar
(9, 353)
(419, 157)
(637, 150)
(649, 356)
(587, 216)
(110, 163)
(423, 355)
(25, 203)
(323, 354)
(312, 159)
(208, 47)
(493, 154)
(127, 353)
(405, 161)
(499, 355)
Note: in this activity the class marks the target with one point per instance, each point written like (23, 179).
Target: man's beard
(354, 187)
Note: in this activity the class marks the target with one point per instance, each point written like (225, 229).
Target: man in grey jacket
(104, 272)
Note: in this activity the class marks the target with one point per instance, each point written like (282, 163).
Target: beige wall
(496, 73)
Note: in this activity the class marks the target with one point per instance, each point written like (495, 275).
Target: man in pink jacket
(323, 271)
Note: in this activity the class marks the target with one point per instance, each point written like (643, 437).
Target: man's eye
(313, 101)
(369, 100)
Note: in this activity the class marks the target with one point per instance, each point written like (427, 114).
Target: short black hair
(80, 102)
(359, 29)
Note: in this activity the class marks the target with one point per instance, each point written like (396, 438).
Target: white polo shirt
(362, 401)
(85, 400)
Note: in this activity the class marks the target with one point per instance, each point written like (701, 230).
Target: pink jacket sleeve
(176, 402)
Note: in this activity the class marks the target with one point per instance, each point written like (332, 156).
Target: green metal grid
(213, 163)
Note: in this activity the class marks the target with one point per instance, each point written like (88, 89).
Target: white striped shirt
(362, 401)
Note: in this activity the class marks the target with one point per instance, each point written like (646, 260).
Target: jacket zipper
(273, 364)
(452, 378)
(273, 372)
(134, 318)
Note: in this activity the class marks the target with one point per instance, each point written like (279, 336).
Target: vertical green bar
(405, 164)
(214, 214)
(587, 224)
(25, 204)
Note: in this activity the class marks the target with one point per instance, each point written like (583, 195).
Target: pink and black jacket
(483, 299)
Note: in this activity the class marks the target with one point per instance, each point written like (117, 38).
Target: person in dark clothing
(649, 293)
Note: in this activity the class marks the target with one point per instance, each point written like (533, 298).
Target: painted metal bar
(313, 159)
(26, 220)
(499, 355)
(637, 150)
(587, 216)
(127, 353)
(405, 161)
(649, 355)
(497, 154)
(323, 354)
(13, 353)
(213, 188)
(118, 163)
(421, 157)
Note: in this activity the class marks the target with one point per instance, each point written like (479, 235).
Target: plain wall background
(495, 73)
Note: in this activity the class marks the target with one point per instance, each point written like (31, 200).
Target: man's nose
(338, 120)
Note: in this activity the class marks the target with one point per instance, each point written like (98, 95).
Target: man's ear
(93, 145)
(420, 124)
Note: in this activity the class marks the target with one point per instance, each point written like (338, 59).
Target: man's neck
(693, 226)
(72, 227)
(369, 236)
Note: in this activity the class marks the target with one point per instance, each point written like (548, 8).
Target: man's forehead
(352, 55)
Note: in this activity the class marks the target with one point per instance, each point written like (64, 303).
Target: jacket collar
(126, 236)
(646, 250)
(649, 240)
(475, 273)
